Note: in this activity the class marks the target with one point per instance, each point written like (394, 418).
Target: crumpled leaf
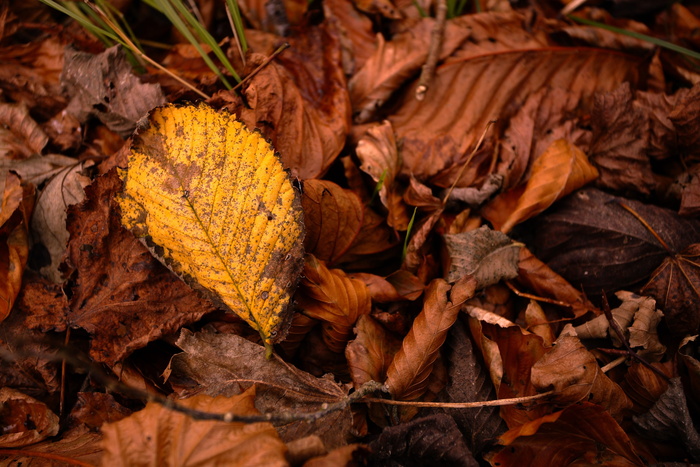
(332, 297)
(300, 102)
(371, 352)
(643, 386)
(573, 373)
(469, 382)
(15, 215)
(595, 243)
(49, 219)
(212, 201)
(374, 245)
(77, 445)
(120, 294)
(407, 376)
(24, 419)
(159, 436)
(488, 255)
(431, 440)
(583, 433)
(226, 364)
(333, 218)
(638, 319)
(379, 158)
(20, 135)
(36, 169)
(560, 170)
(357, 36)
(104, 86)
(344, 455)
(397, 286)
(675, 285)
(669, 419)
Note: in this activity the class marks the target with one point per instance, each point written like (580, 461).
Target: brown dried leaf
(20, 136)
(15, 213)
(333, 217)
(300, 102)
(432, 440)
(104, 86)
(77, 445)
(593, 242)
(407, 376)
(352, 454)
(374, 245)
(675, 285)
(158, 436)
(643, 386)
(581, 434)
(397, 286)
(573, 373)
(357, 37)
(24, 419)
(669, 419)
(371, 352)
(539, 277)
(560, 170)
(379, 156)
(486, 254)
(330, 296)
(93, 409)
(122, 295)
(226, 364)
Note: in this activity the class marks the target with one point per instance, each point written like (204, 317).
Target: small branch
(535, 297)
(274, 54)
(646, 226)
(464, 405)
(436, 38)
(620, 335)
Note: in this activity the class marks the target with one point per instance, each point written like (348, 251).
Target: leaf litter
(360, 235)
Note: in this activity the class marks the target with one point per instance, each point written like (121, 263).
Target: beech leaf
(25, 420)
(157, 435)
(212, 201)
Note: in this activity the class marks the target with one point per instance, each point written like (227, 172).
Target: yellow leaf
(213, 203)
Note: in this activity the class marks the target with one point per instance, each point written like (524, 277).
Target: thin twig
(436, 37)
(536, 297)
(274, 54)
(463, 405)
(620, 335)
(646, 225)
(235, 34)
(569, 8)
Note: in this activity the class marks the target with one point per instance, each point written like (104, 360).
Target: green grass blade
(636, 35)
(238, 23)
(421, 11)
(82, 20)
(408, 234)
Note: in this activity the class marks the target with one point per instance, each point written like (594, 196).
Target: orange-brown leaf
(329, 295)
(370, 354)
(397, 286)
(332, 217)
(572, 371)
(159, 436)
(560, 170)
(24, 419)
(407, 376)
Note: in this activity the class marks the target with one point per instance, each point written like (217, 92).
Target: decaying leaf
(78, 445)
(228, 364)
(120, 294)
(371, 352)
(574, 374)
(329, 295)
(583, 433)
(488, 255)
(560, 170)
(24, 419)
(21, 136)
(212, 201)
(104, 86)
(333, 218)
(159, 436)
(407, 376)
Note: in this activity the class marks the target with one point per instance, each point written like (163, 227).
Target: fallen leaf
(690, 356)
(228, 364)
(583, 433)
(159, 436)
(104, 86)
(212, 202)
(560, 170)
(596, 244)
(379, 158)
(429, 440)
(669, 419)
(356, 33)
(333, 217)
(398, 286)
(375, 244)
(332, 297)
(674, 284)
(93, 409)
(74, 446)
(371, 352)
(20, 136)
(15, 215)
(488, 255)
(469, 382)
(573, 373)
(407, 376)
(36, 169)
(344, 455)
(24, 419)
(49, 219)
(119, 293)
(643, 386)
